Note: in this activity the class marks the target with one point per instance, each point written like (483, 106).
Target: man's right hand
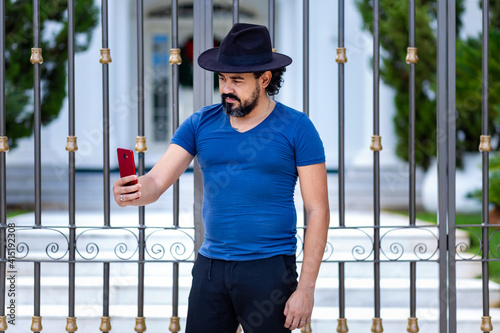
(126, 194)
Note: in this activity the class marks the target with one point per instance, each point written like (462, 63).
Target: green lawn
(13, 213)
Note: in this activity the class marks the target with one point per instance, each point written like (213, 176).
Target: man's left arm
(313, 186)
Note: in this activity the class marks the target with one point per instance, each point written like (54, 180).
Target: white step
(324, 319)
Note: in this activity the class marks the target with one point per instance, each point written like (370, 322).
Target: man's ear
(266, 78)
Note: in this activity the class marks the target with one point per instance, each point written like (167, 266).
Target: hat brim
(208, 60)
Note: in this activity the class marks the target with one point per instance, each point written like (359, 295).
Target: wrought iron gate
(144, 248)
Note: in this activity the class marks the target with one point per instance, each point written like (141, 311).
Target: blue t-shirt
(249, 179)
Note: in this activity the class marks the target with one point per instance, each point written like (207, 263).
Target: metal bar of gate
(236, 11)
(412, 60)
(140, 148)
(441, 145)
(36, 325)
(4, 147)
(446, 146)
(305, 66)
(376, 147)
(272, 20)
(175, 61)
(71, 148)
(451, 163)
(305, 92)
(105, 59)
(341, 60)
(202, 92)
(485, 148)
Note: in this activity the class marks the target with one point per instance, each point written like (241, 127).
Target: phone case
(126, 163)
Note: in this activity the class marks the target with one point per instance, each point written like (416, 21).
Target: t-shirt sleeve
(308, 145)
(185, 135)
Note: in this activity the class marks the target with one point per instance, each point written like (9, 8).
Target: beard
(244, 108)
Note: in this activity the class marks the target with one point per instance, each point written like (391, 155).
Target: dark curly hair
(276, 80)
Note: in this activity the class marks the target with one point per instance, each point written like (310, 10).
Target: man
(251, 151)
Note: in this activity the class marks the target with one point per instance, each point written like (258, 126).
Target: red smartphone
(126, 163)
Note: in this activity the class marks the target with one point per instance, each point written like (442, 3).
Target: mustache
(224, 96)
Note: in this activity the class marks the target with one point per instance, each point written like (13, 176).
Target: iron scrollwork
(176, 240)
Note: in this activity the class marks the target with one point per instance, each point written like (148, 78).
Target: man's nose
(227, 88)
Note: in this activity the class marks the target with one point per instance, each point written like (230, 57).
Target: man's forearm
(314, 248)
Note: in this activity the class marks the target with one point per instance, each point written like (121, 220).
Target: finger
(125, 197)
(124, 180)
(295, 323)
(129, 189)
(291, 322)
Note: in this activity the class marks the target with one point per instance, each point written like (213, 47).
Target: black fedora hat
(246, 49)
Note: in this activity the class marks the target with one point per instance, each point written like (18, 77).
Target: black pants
(252, 293)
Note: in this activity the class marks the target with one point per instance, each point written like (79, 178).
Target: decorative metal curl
(157, 249)
(421, 248)
(20, 248)
(495, 254)
(463, 248)
(53, 247)
(92, 247)
(121, 248)
(396, 248)
(360, 250)
(177, 250)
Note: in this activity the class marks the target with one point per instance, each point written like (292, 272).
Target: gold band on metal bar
(377, 325)
(71, 144)
(306, 329)
(4, 144)
(275, 50)
(376, 143)
(485, 143)
(3, 323)
(36, 324)
(105, 56)
(411, 55)
(71, 324)
(175, 325)
(175, 57)
(412, 325)
(36, 56)
(140, 324)
(341, 55)
(342, 325)
(486, 325)
(105, 324)
(140, 144)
